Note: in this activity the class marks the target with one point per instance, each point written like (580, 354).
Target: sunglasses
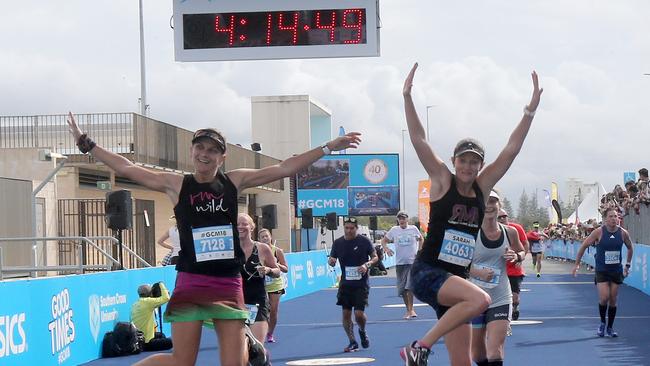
(351, 220)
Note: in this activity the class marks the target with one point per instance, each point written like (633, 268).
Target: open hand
(537, 93)
(408, 83)
(72, 126)
(347, 141)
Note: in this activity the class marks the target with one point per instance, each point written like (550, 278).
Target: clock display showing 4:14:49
(274, 28)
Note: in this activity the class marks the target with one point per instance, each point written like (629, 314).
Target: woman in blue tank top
(457, 203)
(609, 240)
(208, 284)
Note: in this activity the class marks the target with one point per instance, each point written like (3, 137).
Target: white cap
(495, 195)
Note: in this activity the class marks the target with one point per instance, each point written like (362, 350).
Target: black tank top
(254, 289)
(454, 222)
(208, 205)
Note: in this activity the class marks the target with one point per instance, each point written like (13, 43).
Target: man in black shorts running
(356, 255)
(610, 272)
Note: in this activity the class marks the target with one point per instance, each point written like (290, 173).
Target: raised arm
(497, 169)
(169, 183)
(434, 166)
(245, 178)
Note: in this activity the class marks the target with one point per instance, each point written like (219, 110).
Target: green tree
(522, 212)
(507, 206)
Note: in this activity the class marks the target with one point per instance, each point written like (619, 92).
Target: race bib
(404, 240)
(351, 273)
(268, 280)
(213, 243)
(252, 313)
(612, 257)
(457, 248)
(487, 284)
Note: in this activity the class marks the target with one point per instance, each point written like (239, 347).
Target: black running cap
(213, 135)
(469, 145)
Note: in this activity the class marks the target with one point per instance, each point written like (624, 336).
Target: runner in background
(536, 238)
(275, 287)
(516, 271)
(408, 240)
(610, 273)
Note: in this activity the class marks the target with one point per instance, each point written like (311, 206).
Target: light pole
(428, 107)
(402, 203)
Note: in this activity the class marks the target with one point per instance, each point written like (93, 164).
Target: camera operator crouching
(142, 315)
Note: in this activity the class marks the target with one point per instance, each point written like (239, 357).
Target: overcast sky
(475, 61)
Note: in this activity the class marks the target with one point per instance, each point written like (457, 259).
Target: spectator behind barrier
(142, 315)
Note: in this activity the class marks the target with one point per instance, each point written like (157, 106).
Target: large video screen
(350, 185)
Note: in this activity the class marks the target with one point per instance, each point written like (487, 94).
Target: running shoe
(611, 333)
(539, 275)
(269, 338)
(352, 347)
(601, 330)
(257, 355)
(414, 354)
(365, 342)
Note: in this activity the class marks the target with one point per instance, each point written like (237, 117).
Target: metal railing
(140, 139)
(80, 267)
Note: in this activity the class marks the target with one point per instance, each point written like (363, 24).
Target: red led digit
(230, 29)
(330, 27)
(353, 13)
(293, 27)
(269, 22)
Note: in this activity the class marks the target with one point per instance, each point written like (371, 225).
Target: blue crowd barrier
(62, 320)
(638, 277)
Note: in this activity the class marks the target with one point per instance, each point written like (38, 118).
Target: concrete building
(71, 204)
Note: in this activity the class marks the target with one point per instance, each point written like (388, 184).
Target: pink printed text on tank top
(460, 215)
(207, 201)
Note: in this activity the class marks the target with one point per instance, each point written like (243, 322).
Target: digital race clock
(212, 30)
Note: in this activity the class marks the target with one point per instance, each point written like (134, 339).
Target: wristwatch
(367, 265)
(326, 150)
(528, 112)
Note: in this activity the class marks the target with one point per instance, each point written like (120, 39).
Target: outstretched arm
(592, 238)
(245, 178)
(434, 166)
(496, 170)
(169, 183)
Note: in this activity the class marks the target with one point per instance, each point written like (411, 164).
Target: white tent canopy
(588, 208)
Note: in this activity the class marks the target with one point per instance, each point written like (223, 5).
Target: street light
(402, 201)
(43, 155)
(428, 107)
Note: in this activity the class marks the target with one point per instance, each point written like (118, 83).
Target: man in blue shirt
(356, 255)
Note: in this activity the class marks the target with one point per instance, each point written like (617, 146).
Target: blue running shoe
(601, 330)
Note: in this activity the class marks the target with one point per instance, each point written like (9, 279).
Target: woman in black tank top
(259, 263)
(205, 204)
(457, 205)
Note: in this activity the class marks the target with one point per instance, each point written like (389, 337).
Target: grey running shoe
(257, 355)
(365, 342)
(611, 333)
(414, 355)
(601, 330)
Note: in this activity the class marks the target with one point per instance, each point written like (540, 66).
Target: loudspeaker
(372, 225)
(119, 210)
(332, 221)
(269, 213)
(307, 218)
